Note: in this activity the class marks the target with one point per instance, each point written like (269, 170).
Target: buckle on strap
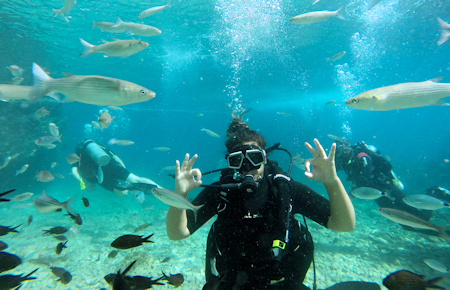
(282, 176)
(278, 244)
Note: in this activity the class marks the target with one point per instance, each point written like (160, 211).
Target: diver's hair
(238, 133)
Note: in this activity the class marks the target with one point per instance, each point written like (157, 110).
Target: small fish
(45, 203)
(95, 90)
(284, 114)
(68, 5)
(408, 219)
(130, 241)
(15, 156)
(198, 115)
(138, 29)
(47, 140)
(15, 70)
(5, 230)
(72, 158)
(152, 10)
(317, 16)
(55, 231)
(59, 175)
(367, 193)
(107, 27)
(161, 149)
(16, 80)
(5, 193)
(3, 246)
(330, 103)
(300, 165)
(61, 238)
(65, 278)
(42, 112)
(22, 169)
(8, 262)
(58, 272)
(113, 254)
(23, 196)
(15, 280)
(96, 125)
(336, 56)
(388, 157)
(423, 201)
(120, 142)
(115, 108)
(437, 266)
(105, 119)
(406, 280)
(60, 247)
(372, 3)
(168, 168)
(53, 165)
(6, 162)
(29, 220)
(141, 227)
(121, 48)
(76, 218)
(210, 133)
(44, 176)
(23, 205)
(174, 280)
(171, 198)
(74, 230)
(140, 197)
(165, 260)
(402, 96)
(445, 33)
(54, 130)
(85, 201)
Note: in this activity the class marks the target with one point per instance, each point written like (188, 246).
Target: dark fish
(130, 241)
(8, 261)
(60, 247)
(355, 285)
(119, 282)
(142, 283)
(406, 280)
(58, 272)
(61, 238)
(65, 278)
(174, 280)
(55, 231)
(141, 227)
(3, 246)
(5, 193)
(214, 282)
(11, 281)
(30, 219)
(6, 230)
(76, 218)
(165, 260)
(110, 278)
(113, 254)
(85, 201)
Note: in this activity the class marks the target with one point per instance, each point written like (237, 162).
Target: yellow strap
(278, 244)
(82, 185)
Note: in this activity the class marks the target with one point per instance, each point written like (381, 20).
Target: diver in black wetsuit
(256, 243)
(100, 165)
(365, 167)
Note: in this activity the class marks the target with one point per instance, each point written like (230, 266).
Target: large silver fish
(95, 90)
(424, 201)
(152, 10)
(317, 16)
(121, 48)
(402, 96)
(45, 203)
(171, 198)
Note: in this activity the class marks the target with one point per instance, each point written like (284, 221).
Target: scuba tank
(96, 153)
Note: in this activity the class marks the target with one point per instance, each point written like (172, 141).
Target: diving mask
(248, 155)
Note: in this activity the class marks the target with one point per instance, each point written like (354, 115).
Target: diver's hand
(323, 168)
(186, 178)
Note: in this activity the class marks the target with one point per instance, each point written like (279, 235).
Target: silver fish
(95, 90)
(140, 197)
(23, 196)
(171, 198)
(16, 92)
(152, 10)
(336, 56)
(107, 27)
(317, 16)
(210, 133)
(54, 130)
(22, 169)
(121, 48)
(402, 96)
(437, 266)
(68, 5)
(45, 203)
(367, 193)
(5, 162)
(138, 29)
(424, 201)
(15, 70)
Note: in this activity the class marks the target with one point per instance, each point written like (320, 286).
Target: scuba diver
(256, 243)
(365, 167)
(100, 165)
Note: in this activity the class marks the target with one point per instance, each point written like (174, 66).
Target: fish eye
(355, 101)
(143, 92)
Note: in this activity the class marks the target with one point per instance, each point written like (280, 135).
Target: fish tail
(340, 13)
(93, 25)
(87, 48)
(67, 205)
(195, 210)
(145, 240)
(445, 35)
(56, 12)
(442, 23)
(169, 3)
(430, 283)
(443, 233)
(59, 138)
(17, 172)
(29, 274)
(128, 268)
(41, 83)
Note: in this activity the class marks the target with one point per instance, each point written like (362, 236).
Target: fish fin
(59, 138)
(441, 103)
(117, 23)
(104, 41)
(56, 12)
(54, 95)
(128, 268)
(445, 35)
(430, 283)
(67, 205)
(66, 74)
(372, 4)
(340, 13)
(315, 2)
(444, 25)
(436, 80)
(145, 240)
(41, 83)
(87, 48)
(94, 25)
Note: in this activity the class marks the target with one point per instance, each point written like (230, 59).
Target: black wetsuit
(240, 240)
(113, 171)
(366, 168)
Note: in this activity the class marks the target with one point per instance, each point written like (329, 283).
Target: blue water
(215, 56)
